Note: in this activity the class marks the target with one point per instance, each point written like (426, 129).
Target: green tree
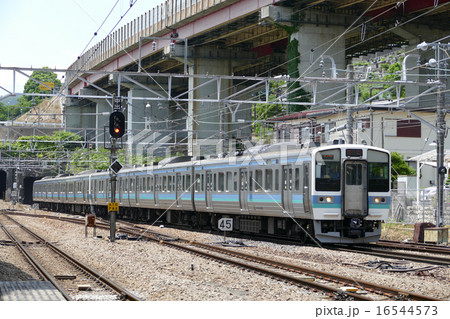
(400, 167)
(34, 87)
(392, 73)
(84, 159)
(8, 112)
(48, 147)
(262, 111)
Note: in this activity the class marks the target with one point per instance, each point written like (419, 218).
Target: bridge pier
(80, 117)
(322, 51)
(147, 120)
(209, 117)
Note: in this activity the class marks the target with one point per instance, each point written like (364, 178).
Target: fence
(405, 207)
(161, 19)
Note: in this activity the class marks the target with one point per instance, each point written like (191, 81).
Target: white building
(383, 126)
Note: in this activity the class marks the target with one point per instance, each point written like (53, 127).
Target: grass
(397, 231)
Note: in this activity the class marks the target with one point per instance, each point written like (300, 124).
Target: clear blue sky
(53, 33)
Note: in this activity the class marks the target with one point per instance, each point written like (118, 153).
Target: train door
(83, 190)
(156, 188)
(243, 189)
(208, 189)
(131, 189)
(138, 188)
(286, 189)
(306, 189)
(355, 189)
(178, 189)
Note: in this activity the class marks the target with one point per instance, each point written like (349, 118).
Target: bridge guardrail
(157, 21)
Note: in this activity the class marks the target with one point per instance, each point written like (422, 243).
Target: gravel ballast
(153, 271)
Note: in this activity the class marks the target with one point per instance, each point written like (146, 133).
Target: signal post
(116, 130)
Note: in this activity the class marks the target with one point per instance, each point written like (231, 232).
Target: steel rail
(433, 260)
(321, 274)
(422, 247)
(121, 291)
(36, 265)
(310, 284)
(150, 235)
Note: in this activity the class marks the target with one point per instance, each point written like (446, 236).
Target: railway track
(421, 247)
(394, 254)
(313, 279)
(74, 279)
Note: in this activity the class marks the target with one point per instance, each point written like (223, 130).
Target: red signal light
(116, 124)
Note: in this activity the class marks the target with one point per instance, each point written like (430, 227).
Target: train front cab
(350, 193)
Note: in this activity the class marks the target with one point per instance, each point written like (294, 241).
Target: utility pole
(440, 140)
(116, 130)
(441, 127)
(350, 102)
(113, 179)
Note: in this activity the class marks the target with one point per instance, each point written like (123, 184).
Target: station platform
(32, 290)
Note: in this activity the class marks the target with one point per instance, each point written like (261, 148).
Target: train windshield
(328, 170)
(378, 171)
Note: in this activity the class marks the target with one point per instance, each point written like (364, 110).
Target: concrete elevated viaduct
(233, 39)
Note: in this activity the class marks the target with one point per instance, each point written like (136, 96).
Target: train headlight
(380, 200)
(326, 199)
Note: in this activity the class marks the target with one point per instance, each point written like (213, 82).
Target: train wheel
(301, 232)
(302, 237)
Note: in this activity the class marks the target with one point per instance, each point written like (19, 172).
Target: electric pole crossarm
(33, 79)
(143, 86)
(95, 86)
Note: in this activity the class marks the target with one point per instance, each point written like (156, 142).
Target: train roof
(251, 156)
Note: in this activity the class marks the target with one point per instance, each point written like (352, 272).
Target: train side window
(290, 179)
(188, 182)
(258, 180)
(250, 181)
(269, 180)
(221, 182)
(164, 183)
(229, 182)
(235, 181)
(197, 182)
(277, 179)
(157, 180)
(214, 181)
(297, 179)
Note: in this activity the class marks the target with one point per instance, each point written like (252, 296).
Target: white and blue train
(337, 193)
